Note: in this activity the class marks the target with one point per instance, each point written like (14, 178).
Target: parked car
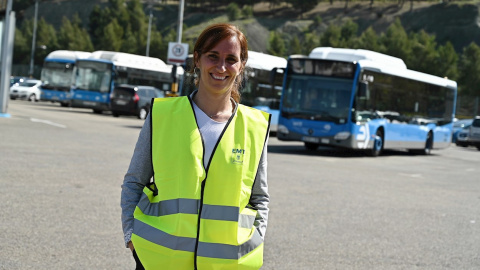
(28, 89)
(133, 100)
(462, 137)
(474, 133)
(458, 126)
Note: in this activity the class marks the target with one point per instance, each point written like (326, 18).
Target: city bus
(360, 99)
(57, 75)
(258, 90)
(96, 77)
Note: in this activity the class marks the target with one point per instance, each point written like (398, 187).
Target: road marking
(47, 122)
(416, 175)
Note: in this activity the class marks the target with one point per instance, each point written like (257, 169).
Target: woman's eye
(232, 60)
(212, 56)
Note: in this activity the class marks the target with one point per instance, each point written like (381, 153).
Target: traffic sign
(177, 53)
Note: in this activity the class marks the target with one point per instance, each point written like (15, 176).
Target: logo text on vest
(237, 156)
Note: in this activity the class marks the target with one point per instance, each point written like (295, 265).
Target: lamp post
(34, 39)
(149, 31)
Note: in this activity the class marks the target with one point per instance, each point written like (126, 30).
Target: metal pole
(179, 40)
(34, 39)
(149, 32)
(6, 58)
(180, 21)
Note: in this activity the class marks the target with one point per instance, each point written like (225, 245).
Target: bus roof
(355, 55)
(264, 61)
(133, 61)
(383, 63)
(66, 56)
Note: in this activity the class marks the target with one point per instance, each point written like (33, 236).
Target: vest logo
(237, 156)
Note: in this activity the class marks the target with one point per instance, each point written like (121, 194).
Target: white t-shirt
(210, 130)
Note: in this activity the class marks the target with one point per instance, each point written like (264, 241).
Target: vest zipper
(206, 172)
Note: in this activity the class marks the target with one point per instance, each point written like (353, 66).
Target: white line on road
(413, 175)
(47, 122)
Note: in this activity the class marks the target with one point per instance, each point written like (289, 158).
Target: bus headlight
(282, 129)
(341, 136)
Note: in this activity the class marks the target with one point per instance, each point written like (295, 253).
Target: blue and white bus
(359, 99)
(57, 75)
(258, 91)
(96, 77)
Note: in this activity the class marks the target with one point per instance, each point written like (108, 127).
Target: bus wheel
(377, 145)
(97, 111)
(311, 146)
(64, 104)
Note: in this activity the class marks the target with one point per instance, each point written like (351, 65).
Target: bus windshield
(317, 98)
(93, 76)
(57, 76)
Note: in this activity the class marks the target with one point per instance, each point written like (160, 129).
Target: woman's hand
(130, 245)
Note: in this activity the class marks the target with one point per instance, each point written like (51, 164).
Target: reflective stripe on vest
(168, 231)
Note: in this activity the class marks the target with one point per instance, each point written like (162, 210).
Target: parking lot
(61, 170)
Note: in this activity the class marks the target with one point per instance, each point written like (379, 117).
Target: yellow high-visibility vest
(193, 217)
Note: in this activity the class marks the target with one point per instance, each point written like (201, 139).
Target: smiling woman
(211, 178)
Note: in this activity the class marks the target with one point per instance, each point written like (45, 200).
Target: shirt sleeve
(260, 197)
(138, 175)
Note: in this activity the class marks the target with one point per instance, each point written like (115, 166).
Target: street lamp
(34, 39)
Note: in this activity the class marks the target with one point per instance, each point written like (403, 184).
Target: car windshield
(27, 83)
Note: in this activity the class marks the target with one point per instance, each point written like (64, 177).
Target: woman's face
(220, 66)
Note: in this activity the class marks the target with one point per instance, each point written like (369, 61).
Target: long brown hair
(209, 38)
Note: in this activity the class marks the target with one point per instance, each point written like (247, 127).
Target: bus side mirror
(363, 91)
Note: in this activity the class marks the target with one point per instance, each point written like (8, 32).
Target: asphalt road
(61, 170)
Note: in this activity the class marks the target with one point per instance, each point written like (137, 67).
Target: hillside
(457, 23)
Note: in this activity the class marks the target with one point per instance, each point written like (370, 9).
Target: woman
(195, 195)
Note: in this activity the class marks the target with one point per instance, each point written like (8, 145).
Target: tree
(424, 53)
(233, 12)
(98, 20)
(447, 62)
(469, 68)
(276, 44)
(348, 33)
(112, 38)
(311, 42)
(21, 50)
(331, 37)
(294, 47)
(136, 35)
(46, 38)
(369, 40)
(156, 42)
(396, 41)
(71, 36)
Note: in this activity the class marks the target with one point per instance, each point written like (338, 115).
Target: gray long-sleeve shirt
(140, 173)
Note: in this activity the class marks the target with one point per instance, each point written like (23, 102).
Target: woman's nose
(221, 65)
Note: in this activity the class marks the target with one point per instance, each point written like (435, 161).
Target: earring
(196, 71)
